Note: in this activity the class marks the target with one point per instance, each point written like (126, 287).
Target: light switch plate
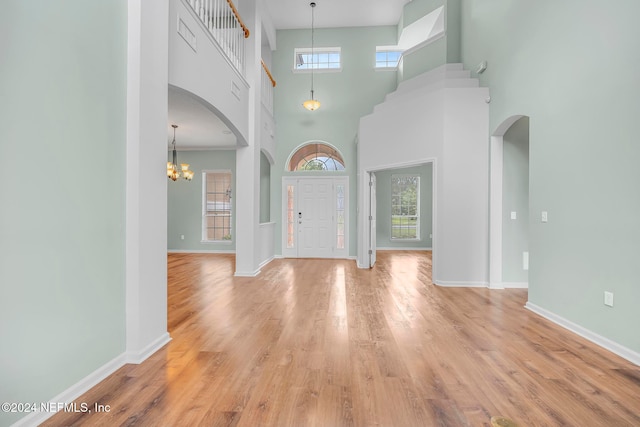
(544, 217)
(608, 298)
(514, 215)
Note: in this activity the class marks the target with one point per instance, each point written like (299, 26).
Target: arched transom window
(316, 157)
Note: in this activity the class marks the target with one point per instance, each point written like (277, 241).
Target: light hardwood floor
(322, 343)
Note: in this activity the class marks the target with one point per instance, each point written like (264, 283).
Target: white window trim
(418, 237)
(316, 50)
(204, 209)
(387, 49)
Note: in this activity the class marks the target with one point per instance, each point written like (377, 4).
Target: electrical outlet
(514, 215)
(182, 237)
(608, 298)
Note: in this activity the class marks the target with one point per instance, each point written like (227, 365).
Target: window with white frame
(322, 58)
(216, 206)
(405, 207)
(387, 58)
(316, 156)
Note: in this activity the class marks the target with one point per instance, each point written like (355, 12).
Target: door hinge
(370, 183)
(370, 218)
(370, 252)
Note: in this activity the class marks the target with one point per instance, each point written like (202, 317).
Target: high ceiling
(288, 14)
(200, 128)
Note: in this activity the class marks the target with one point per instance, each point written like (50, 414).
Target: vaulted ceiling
(200, 128)
(288, 14)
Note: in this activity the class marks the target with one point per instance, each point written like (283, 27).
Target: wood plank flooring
(322, 343)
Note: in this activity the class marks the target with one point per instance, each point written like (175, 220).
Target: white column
(247, 190)
(146, 182)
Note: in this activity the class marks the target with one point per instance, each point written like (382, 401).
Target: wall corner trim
(606, 343)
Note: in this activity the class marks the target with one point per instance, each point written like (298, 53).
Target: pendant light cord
(313, 6)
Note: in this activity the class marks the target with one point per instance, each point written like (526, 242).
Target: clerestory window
(322, 58)
(387, 58)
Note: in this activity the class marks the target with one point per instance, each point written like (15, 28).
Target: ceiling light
(173, 173)
(312, 104)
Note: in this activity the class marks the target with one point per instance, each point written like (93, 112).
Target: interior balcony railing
(268, 83)
(222, 20)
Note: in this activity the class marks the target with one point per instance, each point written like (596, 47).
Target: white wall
(206, 72)
(448, 126)
(463, 220)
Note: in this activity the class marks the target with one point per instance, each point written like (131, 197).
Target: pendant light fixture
(173, 173)
(312, 104)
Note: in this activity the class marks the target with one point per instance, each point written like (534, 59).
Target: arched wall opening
(509, 204)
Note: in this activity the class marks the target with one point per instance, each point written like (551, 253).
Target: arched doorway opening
(509, 204)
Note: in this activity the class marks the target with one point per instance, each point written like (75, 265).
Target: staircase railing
(268, 83)
(224, 23)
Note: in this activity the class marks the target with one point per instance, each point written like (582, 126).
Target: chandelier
(312, 104)
(173, 173)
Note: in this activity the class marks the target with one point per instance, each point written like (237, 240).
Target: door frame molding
(336, 179)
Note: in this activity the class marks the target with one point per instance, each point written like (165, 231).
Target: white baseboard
(612, 346)
(378, 248)
(247, 273)
(75, 391)
(265, 262)
(199, 251)
(91, 380)
(448, 284)
(515, 285)
(137, 357)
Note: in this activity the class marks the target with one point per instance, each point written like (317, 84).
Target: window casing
(405, 207)
(387, 58)
(315, 156)
(217, 215)
(322, 59)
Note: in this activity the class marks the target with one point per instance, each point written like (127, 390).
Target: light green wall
(345, 97)
(383, 211)
(515, 198)
(62, 232)
(184, 211)
(265, 189)
(424, 59)
(453, 28)
(446, 49)
(572, 67)
(416, 9)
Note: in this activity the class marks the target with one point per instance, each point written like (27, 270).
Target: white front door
(315, 217)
